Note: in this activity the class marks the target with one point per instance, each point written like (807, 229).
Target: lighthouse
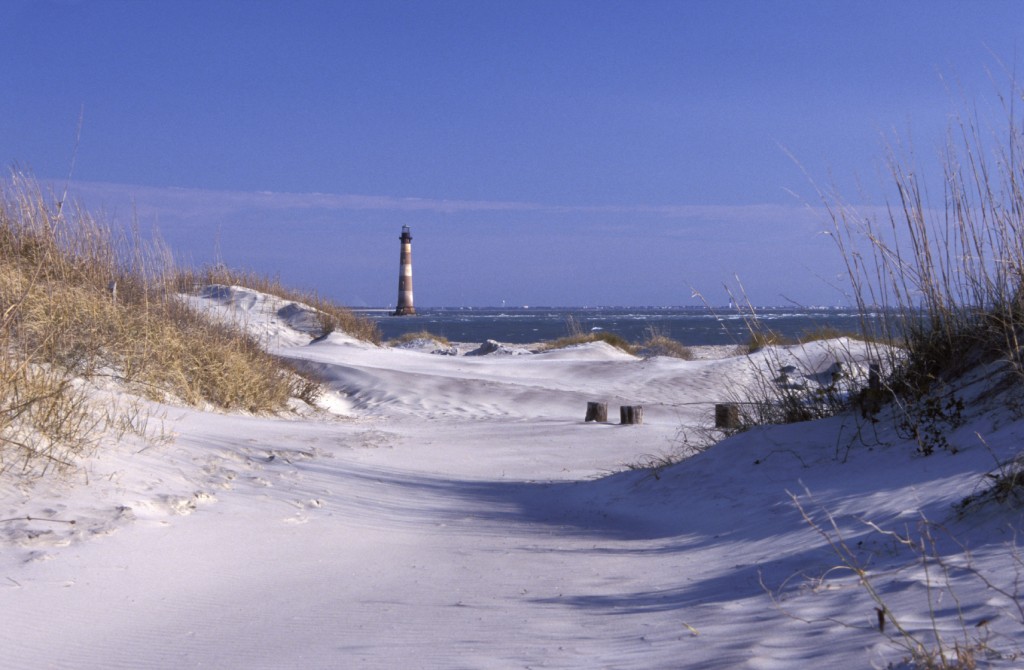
(405, 276)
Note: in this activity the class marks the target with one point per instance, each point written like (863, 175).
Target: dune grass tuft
(405, 338)
(657, 343)
(576, 335)
(761, 338)
(613, 339)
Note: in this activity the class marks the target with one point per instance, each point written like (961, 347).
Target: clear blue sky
(544, 153)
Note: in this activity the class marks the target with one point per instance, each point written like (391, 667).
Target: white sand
(456, 512)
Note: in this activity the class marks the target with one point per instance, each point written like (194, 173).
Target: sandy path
(462, 515)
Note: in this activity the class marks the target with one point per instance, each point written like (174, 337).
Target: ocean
(691, 326)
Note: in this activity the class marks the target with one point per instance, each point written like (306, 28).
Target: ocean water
(536, 324)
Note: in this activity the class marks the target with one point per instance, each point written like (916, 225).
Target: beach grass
(949, 276)
(654, 344)
(657, 343)
(613, 339)
(760, 337)
(939, 286)
(405, 338)
(330, 315)
(85, 305)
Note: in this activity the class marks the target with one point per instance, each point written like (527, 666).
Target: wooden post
(871, 398)
(727, 416)
(631, 414)
(597, 411)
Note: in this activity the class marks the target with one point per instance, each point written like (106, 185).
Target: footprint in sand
(167, 504)
(37, 556)
(303, 505)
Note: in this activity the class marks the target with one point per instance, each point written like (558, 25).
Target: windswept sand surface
(457, 512)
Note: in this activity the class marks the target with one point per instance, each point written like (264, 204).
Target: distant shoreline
(689, 326)
(706, 352)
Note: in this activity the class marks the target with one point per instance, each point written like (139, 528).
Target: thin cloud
(330, 240)
(195, 202)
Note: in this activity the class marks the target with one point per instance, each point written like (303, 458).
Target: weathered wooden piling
(870, 399)
(597, 411)
(631, 414)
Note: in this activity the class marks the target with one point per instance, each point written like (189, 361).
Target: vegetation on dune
(655, 343)
(940, 289)
(81, 305)
(949, 280)
(330, 315)
(405, 338)
(760, 337)
(616, 341)
(576, 336)
(658, 343)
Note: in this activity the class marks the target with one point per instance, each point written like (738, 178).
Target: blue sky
(544, 153)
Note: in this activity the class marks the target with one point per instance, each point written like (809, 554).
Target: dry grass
(616, 341)
(940, 289)
(949, 280)
(655, 343)
(330, 315)
(419, 335)
(82, 306)
(658, 344)
(661, 345)
(761, 338)
(950, 277)
(576, 335)
(828, 333)
(928, 640)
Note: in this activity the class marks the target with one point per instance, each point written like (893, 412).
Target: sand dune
(457, 512)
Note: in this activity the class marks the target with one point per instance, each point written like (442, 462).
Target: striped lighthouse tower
(405, 306)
